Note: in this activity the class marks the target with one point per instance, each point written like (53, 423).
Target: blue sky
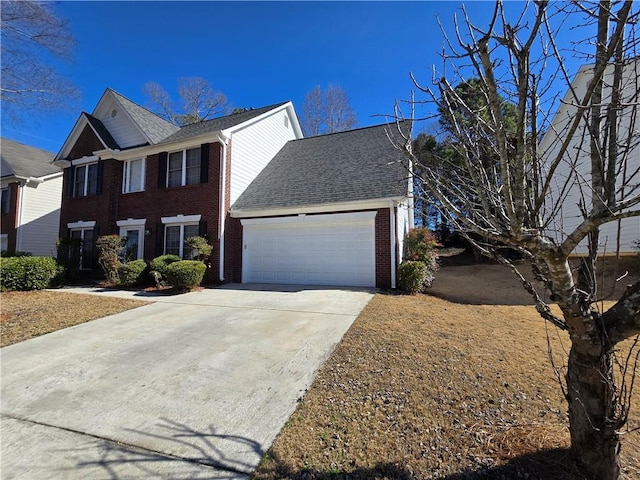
(256, 53)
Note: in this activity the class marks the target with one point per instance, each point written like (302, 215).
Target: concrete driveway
(192, 386)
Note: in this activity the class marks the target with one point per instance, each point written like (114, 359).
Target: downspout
(223, 207)
(392, 214)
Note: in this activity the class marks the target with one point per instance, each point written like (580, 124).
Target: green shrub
(420, 246)
(160, 264)
(411, 276)
(27, 273)
(200, 247)
(133, 273)
(109, 251)
(186, 274)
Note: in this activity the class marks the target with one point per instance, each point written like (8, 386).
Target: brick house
(249, 183)
(31, 188)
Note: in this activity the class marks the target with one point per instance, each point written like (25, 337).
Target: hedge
(160, 264)
(186, 274)
(28, 273)
(133, 273)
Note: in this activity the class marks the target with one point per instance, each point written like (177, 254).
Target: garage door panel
(334, 252)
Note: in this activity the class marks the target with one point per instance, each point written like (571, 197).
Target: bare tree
(198, 101)
(327, 112)
(589, 154)
(32, 37)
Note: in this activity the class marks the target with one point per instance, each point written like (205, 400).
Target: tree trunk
(590, 384)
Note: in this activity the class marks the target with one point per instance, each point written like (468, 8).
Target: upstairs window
(133, 176)
(85, 180)
(183, 168)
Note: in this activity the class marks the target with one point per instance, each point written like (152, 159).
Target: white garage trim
(333, 249)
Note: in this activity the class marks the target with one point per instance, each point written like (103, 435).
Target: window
(183, 168)
(86, 180)
(133, 176)
(4, 242)
(175, 237)
(87, 240)
(133, 230)
(6, 200)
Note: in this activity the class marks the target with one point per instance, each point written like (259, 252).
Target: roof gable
(153, 127)
(356, 165)
(23, 161)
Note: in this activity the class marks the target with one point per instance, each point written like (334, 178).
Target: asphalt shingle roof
(217, 124)
(24, 161)
(154, 126)
(359, 164)
(102, 131)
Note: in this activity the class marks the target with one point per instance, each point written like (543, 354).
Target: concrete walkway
(191, 386)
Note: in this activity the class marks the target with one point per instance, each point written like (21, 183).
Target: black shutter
(204, 163)
(159, 239)
(100, 176)
(70, 171)
(162, 170)
(202, 228)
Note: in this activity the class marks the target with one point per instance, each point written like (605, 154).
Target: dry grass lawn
(30, 314)
(422, 387)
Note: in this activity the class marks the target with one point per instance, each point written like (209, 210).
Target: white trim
(147, 150)
(85, 160)
(127, 165)
(181, 219)
(356, 217)
(132, 222)
(73, 137)
(222, 209)
(394, 241)
(81, 224)
(320, 208)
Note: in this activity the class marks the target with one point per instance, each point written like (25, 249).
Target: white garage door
(337, 249)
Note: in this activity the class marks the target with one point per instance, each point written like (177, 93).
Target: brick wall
(8, 221)
(152, 204)
(383, 249)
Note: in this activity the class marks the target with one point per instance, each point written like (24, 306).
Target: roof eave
(147, 150)
(369, 204)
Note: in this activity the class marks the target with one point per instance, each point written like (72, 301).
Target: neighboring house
(31, 196)
(129, 172)
(573, 177)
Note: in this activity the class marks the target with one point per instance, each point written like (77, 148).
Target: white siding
(40, 219)
(572, 177)
(253, 147)
(402, 227)
(121, 127)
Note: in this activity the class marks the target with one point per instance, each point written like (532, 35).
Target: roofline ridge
(3, 139)
(142, 107)
(351, 130)
(266, 107)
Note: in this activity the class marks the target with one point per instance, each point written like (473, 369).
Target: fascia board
(77, 129)
(333, 218)
(140, 152)
(319, 208)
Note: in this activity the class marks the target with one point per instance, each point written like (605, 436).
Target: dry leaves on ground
(424, 388)
(30, 314)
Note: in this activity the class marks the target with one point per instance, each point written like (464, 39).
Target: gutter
(317, 208)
